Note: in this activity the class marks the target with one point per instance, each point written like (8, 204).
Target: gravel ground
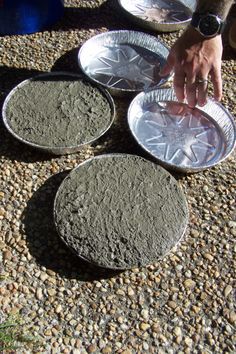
(183, 304)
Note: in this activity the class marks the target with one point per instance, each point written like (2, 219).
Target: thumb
(167, 68)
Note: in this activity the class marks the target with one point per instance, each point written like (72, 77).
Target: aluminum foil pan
(179, 137)
(124, 61)
(57, 150)
(159, 15)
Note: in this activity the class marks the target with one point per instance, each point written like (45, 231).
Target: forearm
(217, 7)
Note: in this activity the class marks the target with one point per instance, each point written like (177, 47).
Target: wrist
(217, 7)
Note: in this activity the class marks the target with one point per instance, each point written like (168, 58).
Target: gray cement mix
(58, 111)
(120, 211)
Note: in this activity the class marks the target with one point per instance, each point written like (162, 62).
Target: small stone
(43, 276)
(102, 344)
(172, 304)
(188, 341)
(66, 340)
(232, 317)
(78, 327)
(48, 333)
(39, 294)
(120, 292)
(208, 256)
(130, 291)
(145, 346)
(196, 309)
(78, 343)
(144, 326)
(7, 255)
(227, 290)
(58, 308)
(2, 212)
(92, 348)
(177, 331)
(156, 328)
(232, 224)
(107, 350)
(51, 292)
(120, 319)
(145, 314)
(194, 233)
(50, 272)
(203, 296)
(189, 283)
(178, 339)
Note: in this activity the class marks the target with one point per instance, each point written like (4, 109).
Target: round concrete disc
(58, 112)
(120, 211)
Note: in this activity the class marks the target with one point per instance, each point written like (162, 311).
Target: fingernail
(202, 103)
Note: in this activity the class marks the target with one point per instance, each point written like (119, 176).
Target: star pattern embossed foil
(180, 137)
(124, 61)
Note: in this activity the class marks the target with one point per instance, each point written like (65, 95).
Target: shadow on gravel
(68, 62)
(10, 147)
(44, 243)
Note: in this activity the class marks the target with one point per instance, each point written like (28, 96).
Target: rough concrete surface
(58, 110)
(120, 211)
(182, 304)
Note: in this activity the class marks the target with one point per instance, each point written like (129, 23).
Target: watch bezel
(218, 23)
(198, 20)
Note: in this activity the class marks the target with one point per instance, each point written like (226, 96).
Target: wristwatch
(209, 25)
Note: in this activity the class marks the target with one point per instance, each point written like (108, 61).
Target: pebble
(43, 276)
(51, 292)
(39, 294)
(145, 346)
(144, 326)
(188, 341)
(92, 348)
(177, 331)
(130, 291)
(107, 350)
(145, 314)
(227, 290)
(189, 283)
(208, 256)
(58, 309)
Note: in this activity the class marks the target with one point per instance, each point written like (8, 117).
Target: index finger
(179, 84)
(217, 83)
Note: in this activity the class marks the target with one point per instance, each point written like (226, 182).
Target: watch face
(209, 25)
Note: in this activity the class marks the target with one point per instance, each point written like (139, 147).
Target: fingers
(191, 87)
(217, 83)
(202, 92)
(179, 85)
(168, 67)
(191, 90)
(202, 87)
(186, 79)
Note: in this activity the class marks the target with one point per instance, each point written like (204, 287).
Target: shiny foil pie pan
(124, 61)
(45, 146)
(179, 137)
(159, 15)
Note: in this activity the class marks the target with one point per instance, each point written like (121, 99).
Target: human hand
(193, 58)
